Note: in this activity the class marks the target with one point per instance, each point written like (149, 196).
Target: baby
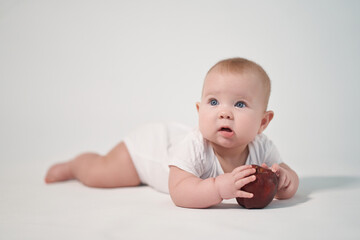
(198, 167)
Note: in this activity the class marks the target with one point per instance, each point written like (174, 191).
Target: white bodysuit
(154, 147)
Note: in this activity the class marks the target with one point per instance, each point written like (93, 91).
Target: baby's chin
(225, 143)
(216, 139)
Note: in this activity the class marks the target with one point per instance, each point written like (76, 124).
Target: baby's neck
(231, 158)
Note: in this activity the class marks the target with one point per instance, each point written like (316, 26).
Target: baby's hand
(283, 174)
(288, 180)
(228, 185)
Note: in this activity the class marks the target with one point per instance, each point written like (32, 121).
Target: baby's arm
(288, 181)
(187, 190)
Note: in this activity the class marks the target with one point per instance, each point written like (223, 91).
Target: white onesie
(154, 147)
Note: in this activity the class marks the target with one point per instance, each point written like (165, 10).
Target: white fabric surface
(326, 207)
(149, 146)
(153, 147)
(195, 155)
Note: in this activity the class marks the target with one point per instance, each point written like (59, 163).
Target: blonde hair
(241, 65)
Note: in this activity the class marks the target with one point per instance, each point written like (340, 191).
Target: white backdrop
(78, 75)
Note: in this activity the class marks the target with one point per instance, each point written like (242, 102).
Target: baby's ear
(268, 116)
(197, 106)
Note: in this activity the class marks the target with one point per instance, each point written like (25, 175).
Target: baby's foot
(59, 172)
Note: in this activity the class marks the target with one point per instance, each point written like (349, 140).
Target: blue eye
(213, 102)
(240, 104)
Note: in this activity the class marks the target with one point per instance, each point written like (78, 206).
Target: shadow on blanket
(308, 185)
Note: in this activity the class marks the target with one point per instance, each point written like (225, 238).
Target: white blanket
(325, 207)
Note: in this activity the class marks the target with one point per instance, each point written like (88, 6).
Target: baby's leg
(115, 169)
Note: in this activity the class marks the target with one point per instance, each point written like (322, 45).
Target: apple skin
(264, 189)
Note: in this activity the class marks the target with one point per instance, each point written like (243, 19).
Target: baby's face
(231, 108)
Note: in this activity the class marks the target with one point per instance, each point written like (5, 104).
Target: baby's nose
(226, 115)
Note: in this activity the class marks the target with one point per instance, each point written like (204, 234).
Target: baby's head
(233, 104)
(242, 66)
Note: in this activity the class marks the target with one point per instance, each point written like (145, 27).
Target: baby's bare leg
(115, 169)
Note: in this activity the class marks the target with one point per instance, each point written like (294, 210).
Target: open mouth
(225, 129)
(226, 132)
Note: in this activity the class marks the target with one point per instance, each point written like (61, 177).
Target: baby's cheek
(249, 126)
(204, 126)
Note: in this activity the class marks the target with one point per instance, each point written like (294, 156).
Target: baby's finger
(240, 169)
(286, 182)
(275, 168)
(281, 182)
(243, 194)
(264, 166)
(244, 173)
(242, 182)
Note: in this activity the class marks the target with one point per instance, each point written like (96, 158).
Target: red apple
(264, 189)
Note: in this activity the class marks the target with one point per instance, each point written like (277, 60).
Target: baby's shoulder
(261, 143)
(261, 139)
(263, 150)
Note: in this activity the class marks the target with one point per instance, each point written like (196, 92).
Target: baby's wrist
(217, 185)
